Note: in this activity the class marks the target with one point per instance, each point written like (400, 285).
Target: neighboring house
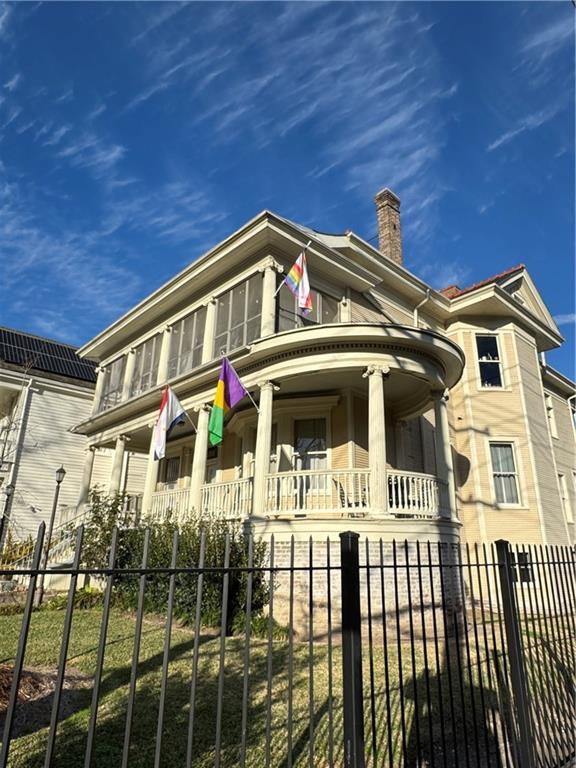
(45, 388)
(392, 409)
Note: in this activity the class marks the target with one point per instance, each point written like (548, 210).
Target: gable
(522, 289)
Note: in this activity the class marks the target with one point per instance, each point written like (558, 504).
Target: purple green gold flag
(229, 392)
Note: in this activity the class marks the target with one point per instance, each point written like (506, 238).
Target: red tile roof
(453, 291)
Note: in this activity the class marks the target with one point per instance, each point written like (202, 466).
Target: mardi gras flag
(229, 392)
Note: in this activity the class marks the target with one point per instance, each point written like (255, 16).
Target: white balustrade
(413, 494)
(174, 503)
(342, 492)
(230, 501)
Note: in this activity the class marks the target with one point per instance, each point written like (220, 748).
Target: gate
(342, 653)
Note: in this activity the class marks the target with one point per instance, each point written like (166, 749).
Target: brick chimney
(388, 214)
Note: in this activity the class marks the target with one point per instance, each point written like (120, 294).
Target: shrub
(108, 512)
(84, 599)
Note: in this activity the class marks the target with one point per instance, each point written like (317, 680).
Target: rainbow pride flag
(229, 392)
(297, 282)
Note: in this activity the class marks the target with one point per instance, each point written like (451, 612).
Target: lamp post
(8, 493)
(60, 475)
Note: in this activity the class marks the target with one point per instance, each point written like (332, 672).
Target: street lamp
(60, 475)
(8, 493)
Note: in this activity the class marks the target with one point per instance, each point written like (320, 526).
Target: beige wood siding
(361, 433)
(564, 447)
(552, 513)
(340, 435)
(47, 443)
(427, 430)
(228, 456)
(363, 311)
(478, 416)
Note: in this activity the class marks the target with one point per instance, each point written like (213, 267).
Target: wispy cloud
(5, 13)
(567, 319)
(68, 95)
(13, 83)
(372, 94)
(57, 136)
(528, 123)
(94, 153)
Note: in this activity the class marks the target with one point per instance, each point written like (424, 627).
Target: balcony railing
(413, 494)
(231, 500)
(319, 493)
(342, 493)
(173, 502)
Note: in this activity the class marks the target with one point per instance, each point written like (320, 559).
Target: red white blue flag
(171, 413)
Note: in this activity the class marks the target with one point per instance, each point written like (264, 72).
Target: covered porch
(351, 422)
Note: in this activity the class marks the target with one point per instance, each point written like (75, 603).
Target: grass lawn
(28, 746)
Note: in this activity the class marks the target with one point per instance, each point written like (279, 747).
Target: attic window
(489, 361)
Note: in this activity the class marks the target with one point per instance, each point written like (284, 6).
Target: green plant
(84, 599)
(106, 512)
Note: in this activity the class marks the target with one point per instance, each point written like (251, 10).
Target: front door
(310, 456)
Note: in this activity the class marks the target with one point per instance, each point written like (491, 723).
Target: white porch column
(86, 477)
(117, 464)
(198, 477)
(444, 465)
(262, 452)
(209, 331)
(268, 317)
(128, 373)
(100, 376)
(377, 437)
(151, 478)
(162, 375)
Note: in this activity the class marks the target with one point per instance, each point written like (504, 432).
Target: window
(524, 567)
(186, 340)
(504, 473)
(113, 384)
(566, 506)
(238, 316)
(171, 471)
(212, 464)
(551, 415)
(146, 365)
(310, 452)
(325, 309)
(489, 361)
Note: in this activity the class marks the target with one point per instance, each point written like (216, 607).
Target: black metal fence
(365, 653)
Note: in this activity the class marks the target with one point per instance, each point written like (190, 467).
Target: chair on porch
(345, 502)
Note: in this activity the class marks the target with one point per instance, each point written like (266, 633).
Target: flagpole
(308, 244)
(191, 422)
(253, 401)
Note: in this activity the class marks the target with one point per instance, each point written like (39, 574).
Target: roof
(453, 291)
(37, 353)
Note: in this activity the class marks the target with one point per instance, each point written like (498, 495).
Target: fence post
(351, 652)
(518, 677)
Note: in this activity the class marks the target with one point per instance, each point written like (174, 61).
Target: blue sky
(134, 136)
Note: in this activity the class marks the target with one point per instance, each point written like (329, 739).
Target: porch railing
(343, 492)
(232, 499)
(413, 494)
(340, 493)
(174, 501)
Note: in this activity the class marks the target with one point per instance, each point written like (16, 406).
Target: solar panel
(44, 355)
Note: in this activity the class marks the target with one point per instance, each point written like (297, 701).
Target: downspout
(421, 304)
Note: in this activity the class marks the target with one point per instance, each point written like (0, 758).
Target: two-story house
(412, 411)
(45, 389)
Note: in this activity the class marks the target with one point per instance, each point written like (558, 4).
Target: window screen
(113, 384)
(238, 316)
(504, 473)
(186, 342)
(325, 309)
